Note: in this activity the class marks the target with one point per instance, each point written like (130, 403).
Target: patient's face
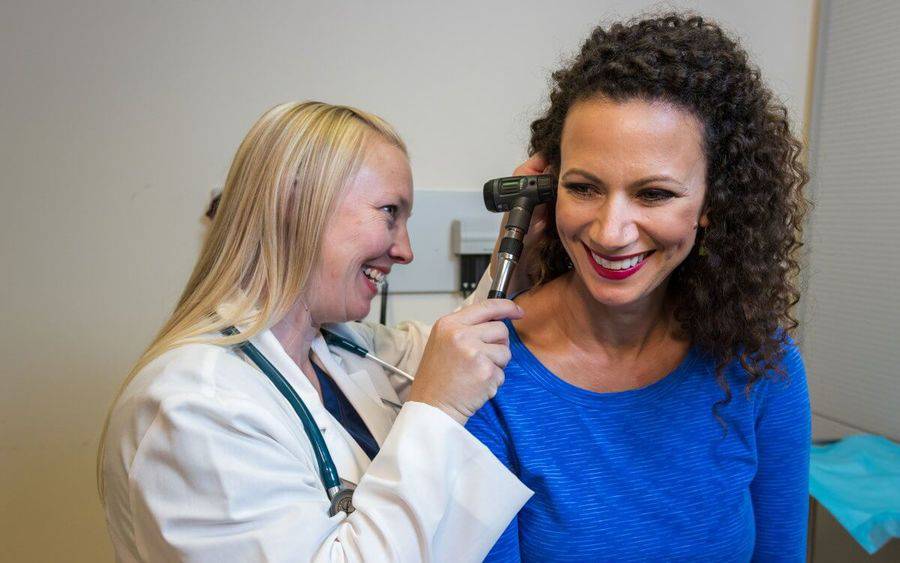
(632, 185)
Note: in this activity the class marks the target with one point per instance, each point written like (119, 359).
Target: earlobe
(704, 221)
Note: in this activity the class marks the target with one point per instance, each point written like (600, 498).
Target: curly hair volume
(733, 298)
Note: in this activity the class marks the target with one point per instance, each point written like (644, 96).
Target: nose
(615, 227)
(401, 251)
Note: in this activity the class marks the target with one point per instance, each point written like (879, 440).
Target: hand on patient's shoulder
(462, 366)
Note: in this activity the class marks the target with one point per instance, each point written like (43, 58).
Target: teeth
(619, 264)
(374, 274)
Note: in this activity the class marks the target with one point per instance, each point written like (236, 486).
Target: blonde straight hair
(265, 238)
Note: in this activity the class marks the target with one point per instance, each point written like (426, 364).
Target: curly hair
(733, 298)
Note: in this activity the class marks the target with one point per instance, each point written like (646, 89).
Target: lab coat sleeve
(780, 489)
(212, 480)
(401, 345)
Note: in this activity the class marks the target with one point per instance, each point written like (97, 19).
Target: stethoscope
(339, 492)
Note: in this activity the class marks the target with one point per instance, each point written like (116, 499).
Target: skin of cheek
(335, 293)
(361, 243)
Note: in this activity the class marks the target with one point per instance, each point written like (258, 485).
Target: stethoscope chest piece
(342, 501)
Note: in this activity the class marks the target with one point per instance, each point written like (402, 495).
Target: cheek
(567, 227)
(676, 231)
(571, 219)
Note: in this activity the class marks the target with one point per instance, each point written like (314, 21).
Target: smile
(617, 267)
(374, 277)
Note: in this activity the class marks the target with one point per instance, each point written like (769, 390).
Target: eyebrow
(641, 182)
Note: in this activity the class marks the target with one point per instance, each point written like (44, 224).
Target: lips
(617, 267)
(373, 277)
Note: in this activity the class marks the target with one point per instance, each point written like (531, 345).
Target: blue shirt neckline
(596, 399)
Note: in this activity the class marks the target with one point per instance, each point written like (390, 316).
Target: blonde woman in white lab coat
(204, 460)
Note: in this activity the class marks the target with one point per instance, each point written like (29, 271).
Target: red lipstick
(616, 274)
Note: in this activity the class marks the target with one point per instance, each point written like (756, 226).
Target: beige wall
(117, 118)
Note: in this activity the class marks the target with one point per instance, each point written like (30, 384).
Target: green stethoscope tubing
(327, 468)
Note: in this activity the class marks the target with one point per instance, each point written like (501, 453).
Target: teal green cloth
(858, 480)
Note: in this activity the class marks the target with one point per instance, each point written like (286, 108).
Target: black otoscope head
(519, 195)
(501, 194)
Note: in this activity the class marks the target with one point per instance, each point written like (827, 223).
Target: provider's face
(365, 236)
(632, 182)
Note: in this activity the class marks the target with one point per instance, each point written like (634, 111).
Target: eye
(391, 210)
(655, 195)
(580, 190)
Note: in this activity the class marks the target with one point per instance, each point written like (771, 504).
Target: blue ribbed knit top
(649, 474)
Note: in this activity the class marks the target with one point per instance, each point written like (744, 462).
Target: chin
(614, 294)
(359, 312)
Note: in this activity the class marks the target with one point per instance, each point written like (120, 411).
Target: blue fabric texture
(858, 481)
(650, 474)
(342, 410)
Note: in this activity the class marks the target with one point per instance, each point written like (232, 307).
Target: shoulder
(789, 369)
(205, 369)
(783, 390)
(784, 367)
(192, 387)
(194, 397)
(787, 382)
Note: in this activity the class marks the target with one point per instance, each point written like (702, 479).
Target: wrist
(453, 413)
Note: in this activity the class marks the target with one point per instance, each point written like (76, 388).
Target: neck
(627, 329)
(296, 332)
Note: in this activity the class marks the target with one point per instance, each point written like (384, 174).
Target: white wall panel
(851, 338)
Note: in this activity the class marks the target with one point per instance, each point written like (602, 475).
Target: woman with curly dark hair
(664, 282)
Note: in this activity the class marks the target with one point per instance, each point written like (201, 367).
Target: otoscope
(519, 195)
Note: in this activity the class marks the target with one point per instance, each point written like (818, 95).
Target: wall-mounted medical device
(472, 240)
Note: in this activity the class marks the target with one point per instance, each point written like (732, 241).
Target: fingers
(498, 354)
(489, 310)
(536, 164)
(494, 332)
(539, 219)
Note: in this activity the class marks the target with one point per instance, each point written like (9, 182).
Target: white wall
(117, 118)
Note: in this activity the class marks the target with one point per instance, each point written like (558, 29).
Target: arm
(780, 490)
(222, 479)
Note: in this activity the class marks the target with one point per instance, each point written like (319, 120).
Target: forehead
(383, 174)
(634, 133)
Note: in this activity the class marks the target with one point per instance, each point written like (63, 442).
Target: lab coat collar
(349, 458)
(352, 377)
(357, 385)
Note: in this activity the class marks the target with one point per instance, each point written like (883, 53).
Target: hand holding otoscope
(517, 195)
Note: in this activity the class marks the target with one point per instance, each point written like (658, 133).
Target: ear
(704, 220)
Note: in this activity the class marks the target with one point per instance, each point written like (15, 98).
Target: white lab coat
(206, 461)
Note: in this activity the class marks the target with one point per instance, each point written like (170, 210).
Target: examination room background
(119, 117)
